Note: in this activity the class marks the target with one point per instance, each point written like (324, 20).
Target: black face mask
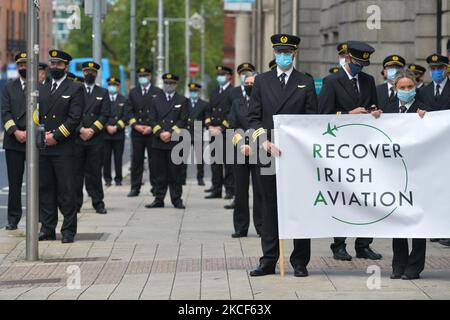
(57, 73)
(248, 90)
(89, 78)
(23, 73)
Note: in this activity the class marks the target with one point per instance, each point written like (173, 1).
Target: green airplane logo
(330, 130)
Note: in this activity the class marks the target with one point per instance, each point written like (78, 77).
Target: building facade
(13, 29)
(411, 28)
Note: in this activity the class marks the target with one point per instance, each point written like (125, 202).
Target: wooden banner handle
(282, 258)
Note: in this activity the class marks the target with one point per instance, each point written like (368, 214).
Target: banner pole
(282, 258)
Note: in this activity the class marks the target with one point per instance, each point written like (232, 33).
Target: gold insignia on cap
(23, 55)
(434, 58)
(413, 67)
(246, 65)
(113, 79)
(90, 65)
(192, 86)
(142, 70)
(344, 46)
(366, 55)
(219, 68)
(169, 76)
(284, 39)
(54, 53)
(395, 58)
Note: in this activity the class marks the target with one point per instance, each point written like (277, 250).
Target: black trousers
(139, 146)
(241, 212)
(269, 236)
(222, 174)
(360, 243)
(200, 168)
(113, 148)
(56, 190)
(15, 164)
(88, 168)
(167, 176)
(408, 263)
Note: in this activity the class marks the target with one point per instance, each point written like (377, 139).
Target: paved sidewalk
(137, 253)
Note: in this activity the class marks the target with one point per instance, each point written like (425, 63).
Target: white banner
(356, 176)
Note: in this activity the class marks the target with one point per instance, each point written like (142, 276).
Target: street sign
(193, 69)
(89, 7)
(196, 21)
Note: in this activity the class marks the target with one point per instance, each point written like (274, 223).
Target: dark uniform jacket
(196, 113)
(219, 107)
(269, 98)
(95, 114)
(118, 117)
(383, 96)
(61, 114)
(140, 107)
(426, 94)
(236, 93)
(168, 116)
(13, 114)
(338, 95)
(394, 107)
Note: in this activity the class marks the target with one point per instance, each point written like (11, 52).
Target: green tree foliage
(116, 35)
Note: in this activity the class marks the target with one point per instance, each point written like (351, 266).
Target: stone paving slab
(189, 254)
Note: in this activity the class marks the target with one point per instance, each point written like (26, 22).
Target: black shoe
(101, 210)
(341, 254)
(445, 242)
(229, 206)
(239, 235)
(45, 236)
(300, 271)
(201, 182)
(108, 184)
(179, 205)
(368, 253)
(155, 204)
(396, 274)
(118, 183)
(67, 239)
(410, 276)
(214, 196)
(435, 240)
(228, 196)
(262, 270)
(11, 227)
(209, 190)
(133, 193)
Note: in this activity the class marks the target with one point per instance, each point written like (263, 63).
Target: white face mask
(342, 62)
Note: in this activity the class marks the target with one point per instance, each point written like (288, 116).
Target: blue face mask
(355, 68)
(112, 89)
(194, 95)
(406, 96)
(284, 60)
(221, 79)
(143, 81)
(438, 75)
(392, 73)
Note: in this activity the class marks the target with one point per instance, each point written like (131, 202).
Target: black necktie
(144, 92)
(438, 90)
(355, 85)
(402, 109)
(283, 80)
(391, 94)
(53, 88)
